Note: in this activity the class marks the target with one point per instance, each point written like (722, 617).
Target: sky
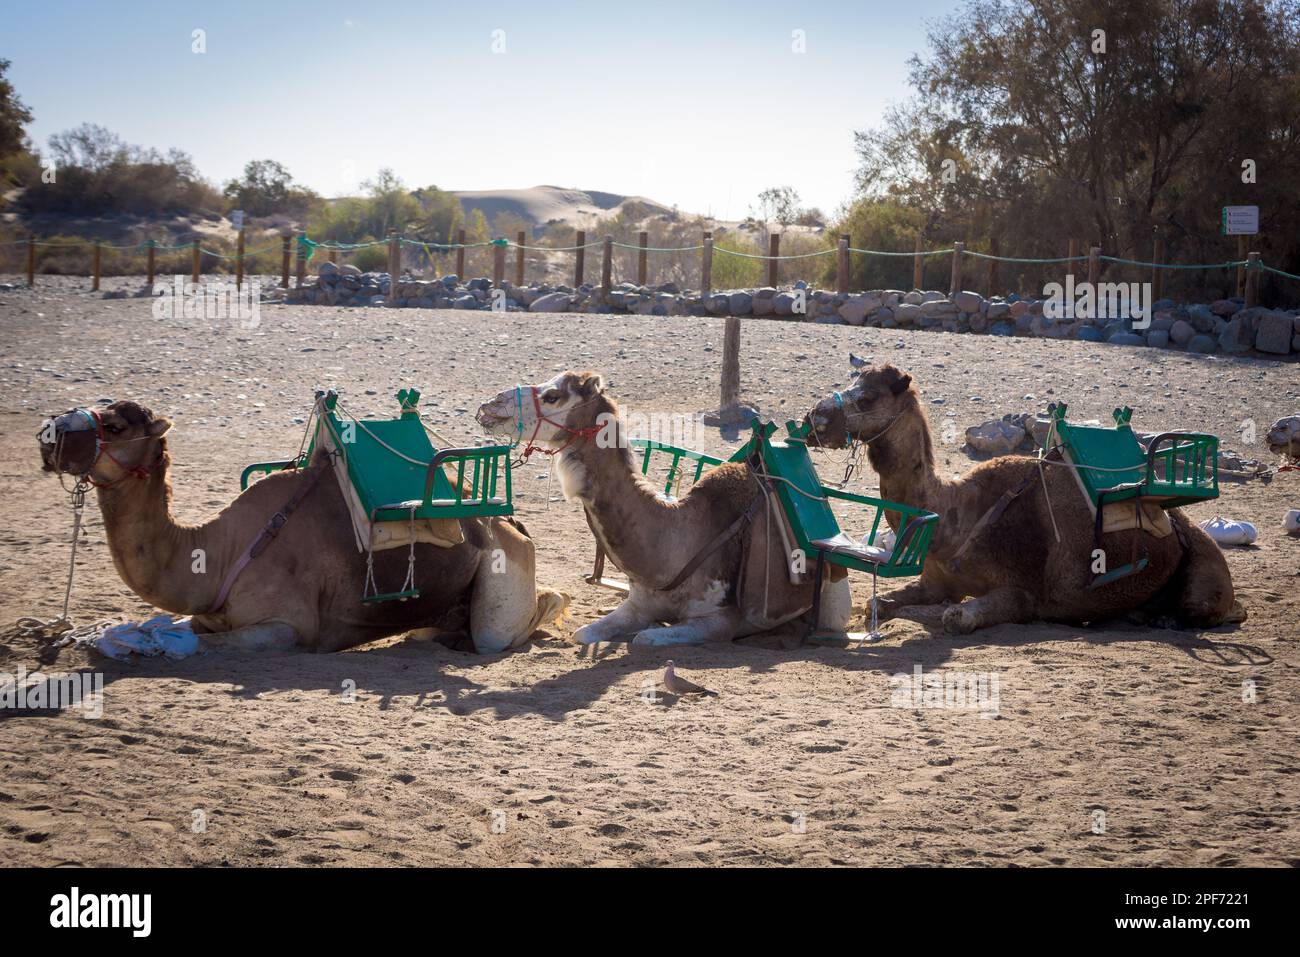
(696, 104)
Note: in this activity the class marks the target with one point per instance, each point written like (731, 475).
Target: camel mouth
(491, 421)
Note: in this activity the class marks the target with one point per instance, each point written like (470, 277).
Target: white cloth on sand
(157, 636)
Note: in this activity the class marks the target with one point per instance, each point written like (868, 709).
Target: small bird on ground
(676, 684)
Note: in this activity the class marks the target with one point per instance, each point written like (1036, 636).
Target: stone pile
(1223, 326)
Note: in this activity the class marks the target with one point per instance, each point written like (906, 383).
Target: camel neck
(153, 553)
(903, 457)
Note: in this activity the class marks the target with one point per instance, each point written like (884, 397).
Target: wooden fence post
(994, 250)
(642, 257)
(194, 262)
(149, 268)
(1072, 253)
(706, 266)
(773, 250)
(1157, 260)
(954, 286)
(522, 241)
(460, 253)
(1094, 266)
(606, 266)
(284, 260)
(498, 265)
(1241, 270)
(333, 253)
(94, 279)
(918, 264)
(239, 261)
(300, 263)
(579, 260)
(1252, 280)
(731, 363)
(394, 268)
(842, 265)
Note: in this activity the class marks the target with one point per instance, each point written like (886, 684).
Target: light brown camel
(1014, 569)
(305, 588)
(653, 539)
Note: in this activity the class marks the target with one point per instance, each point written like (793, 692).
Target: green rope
(736, 252)
(1014, 259)
(306, 247)
(1279, 272)
(661, 249)
(1134, 262)
(879, 252)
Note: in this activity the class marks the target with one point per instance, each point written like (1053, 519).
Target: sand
(1110, 745)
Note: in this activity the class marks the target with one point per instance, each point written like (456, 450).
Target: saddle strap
(991, 517)
(729, 533)
(264, 537)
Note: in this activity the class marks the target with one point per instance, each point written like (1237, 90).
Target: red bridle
(575, 434)
(101, 451)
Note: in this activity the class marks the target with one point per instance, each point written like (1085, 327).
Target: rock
(914, 298)
(1202, 343)
(349, 270)
(1089, 334)
(718, 304)
(938, 308)
(783, 304)
(998, 310)
(465, 302)
(766, 292)
(1274, 333)
(1237, 337)
(968, 301)
(1126, 339)
(740, 303)
(1225, 307)
(669, 287)
(1181, 332)
(906, 313)
(856, 309)
(1201, 317)
(551, 302)
(1002, 329)
(761, 307)
(997, 437)
(1158, 339)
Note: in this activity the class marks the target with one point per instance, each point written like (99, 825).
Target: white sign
(1240, 220)
(237, 219)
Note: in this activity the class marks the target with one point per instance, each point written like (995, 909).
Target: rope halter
(95, 422)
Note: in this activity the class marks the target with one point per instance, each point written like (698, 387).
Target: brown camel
(653, 539)
(305, 588)
(1013, 569)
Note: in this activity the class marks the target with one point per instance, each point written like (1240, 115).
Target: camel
(654, 539)
(304, 589)
(1012, 568)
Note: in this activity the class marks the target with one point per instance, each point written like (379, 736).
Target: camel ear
(593, 383)
(899, 386)
(158, 426)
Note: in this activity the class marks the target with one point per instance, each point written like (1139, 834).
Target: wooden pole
(1094, 266)
(642, 258)
(239, 260)
(842, 265)
(994, 250)
(954, 286)
(333, 254)
(394, 268)
(194, 262)
(460, 253)
(94, 278)
(918, 264)
(284, 260)
(149, 268)
(498, 265)
(731, 363)
(522, 241)
(1073, 254)
(706, 266)
(31, 261)
(1157, 260)
(773, 250)
(1252, 280)
(579, 260)
(1241, 270)
(302, 260)
(606, 266)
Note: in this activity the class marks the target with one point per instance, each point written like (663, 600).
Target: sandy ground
(547, 757)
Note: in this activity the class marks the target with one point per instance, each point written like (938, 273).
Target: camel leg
(505, 607)
(264, 636)
(628, 618)
(924, 591)
(722, 625)
(1203, 596)
(1000, 606)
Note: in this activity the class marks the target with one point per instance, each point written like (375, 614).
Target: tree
(14, 115)
(266, 188)
(778, 204)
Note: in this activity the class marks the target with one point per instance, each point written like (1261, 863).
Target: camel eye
(551, 397)
(115, 429)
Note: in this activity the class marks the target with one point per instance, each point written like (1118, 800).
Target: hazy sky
(701, 104)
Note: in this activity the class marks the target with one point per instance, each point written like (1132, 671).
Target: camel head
(878, 396)
(104, 445)
(1284, 437)
(549, 415)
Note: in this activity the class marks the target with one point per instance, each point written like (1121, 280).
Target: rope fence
(299, 248)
